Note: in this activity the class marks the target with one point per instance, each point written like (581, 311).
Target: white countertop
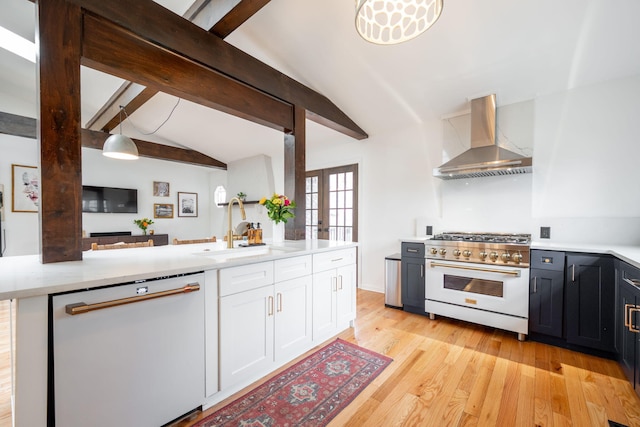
(629, 254)
(25, 276)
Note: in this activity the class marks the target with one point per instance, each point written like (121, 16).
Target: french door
(332, 204)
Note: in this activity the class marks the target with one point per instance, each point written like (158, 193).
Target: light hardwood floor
(5, 361)
(452, 373)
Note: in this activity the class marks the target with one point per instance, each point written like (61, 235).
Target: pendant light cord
(157, 129)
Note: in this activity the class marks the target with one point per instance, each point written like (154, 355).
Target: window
(220, 195)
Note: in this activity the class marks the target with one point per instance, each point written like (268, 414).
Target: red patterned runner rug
(310, 393)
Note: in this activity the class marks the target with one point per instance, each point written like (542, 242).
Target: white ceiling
(516, 49)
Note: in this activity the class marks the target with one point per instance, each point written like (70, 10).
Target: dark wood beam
(237, 16)
(229, 21)
(138, 101)
(160, 26)
(58, 70)
(12, 124)
(95, 139)
(108, 48)
(295, 174)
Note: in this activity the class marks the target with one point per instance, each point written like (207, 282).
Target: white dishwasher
(128, 355)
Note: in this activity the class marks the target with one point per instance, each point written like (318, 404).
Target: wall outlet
(429, 230)
(545, 232)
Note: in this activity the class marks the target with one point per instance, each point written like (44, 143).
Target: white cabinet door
(346, 295)
(246, 335)
(293, 317)
(324, 304)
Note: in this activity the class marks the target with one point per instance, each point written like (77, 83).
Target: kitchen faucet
(230, 230)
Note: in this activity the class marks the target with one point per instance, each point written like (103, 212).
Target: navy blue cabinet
(590, 301)
(412, 276)
(628, 321)
(546, 292)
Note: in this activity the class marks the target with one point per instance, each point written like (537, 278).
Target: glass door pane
(332, 204)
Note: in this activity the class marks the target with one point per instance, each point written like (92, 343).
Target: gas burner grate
(484, 237)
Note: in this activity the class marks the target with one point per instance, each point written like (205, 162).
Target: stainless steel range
(479, 277)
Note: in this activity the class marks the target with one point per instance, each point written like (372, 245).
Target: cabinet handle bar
(468, 267)
(81, 307)
(632, 310)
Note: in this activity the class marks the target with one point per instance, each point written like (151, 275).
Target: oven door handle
(515, 273)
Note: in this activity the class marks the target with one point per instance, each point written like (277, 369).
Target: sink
(242, 252)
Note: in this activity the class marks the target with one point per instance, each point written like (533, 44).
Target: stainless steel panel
(393, 281)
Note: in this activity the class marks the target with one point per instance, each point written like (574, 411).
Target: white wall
(140, 174)
(20, 229)
(586, 163)
(395, 186)
(585, 155)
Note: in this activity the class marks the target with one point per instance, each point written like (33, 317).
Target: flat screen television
(109, 200)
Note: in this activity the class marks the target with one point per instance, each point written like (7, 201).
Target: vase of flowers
(143, 224)
(279, 209)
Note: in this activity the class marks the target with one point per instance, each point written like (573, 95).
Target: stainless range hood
(484, 158)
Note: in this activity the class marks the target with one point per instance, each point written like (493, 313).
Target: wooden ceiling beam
(11, 124)
(221, 17)
(107, 117)
(237, 16)
(171, 73)
(95, 139)
(162, 27)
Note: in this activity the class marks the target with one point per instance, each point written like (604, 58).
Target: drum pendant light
(119, 146)
(395, 21)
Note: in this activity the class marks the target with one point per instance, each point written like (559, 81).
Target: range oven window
(475, 286)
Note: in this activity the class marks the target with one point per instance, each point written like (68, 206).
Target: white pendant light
(118, 146)
(395, 21)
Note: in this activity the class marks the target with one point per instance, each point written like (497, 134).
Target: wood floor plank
(449, 373)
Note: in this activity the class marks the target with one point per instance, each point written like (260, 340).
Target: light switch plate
(545, 232)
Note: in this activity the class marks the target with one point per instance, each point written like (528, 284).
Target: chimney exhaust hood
(485, 157)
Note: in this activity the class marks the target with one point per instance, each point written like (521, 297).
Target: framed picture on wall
(160, 189)
(25, 188)
(187, 204)
(162, 210)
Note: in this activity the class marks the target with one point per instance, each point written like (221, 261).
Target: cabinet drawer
(246, 277)
(412, 250)
(547, 260)
(630, 274)
(333, 259)
(291, 268)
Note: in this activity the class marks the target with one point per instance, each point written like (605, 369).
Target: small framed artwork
(25, 186)
(160, 189)
(188, 204)
(162, 210)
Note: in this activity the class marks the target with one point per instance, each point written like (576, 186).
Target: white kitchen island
(319, 274)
